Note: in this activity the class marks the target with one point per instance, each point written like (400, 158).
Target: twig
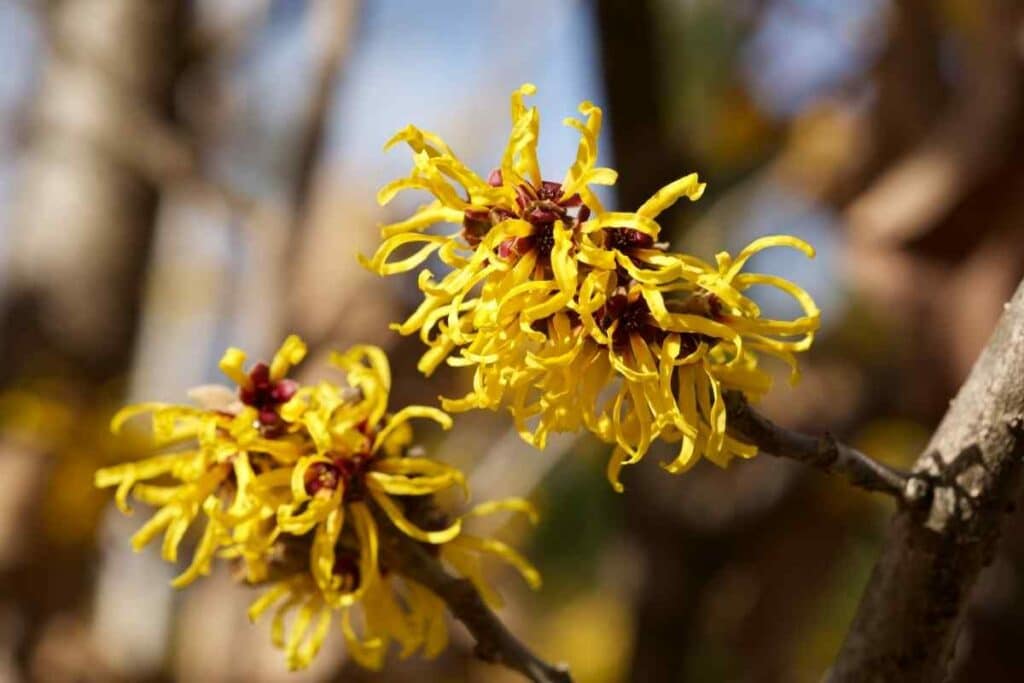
(825, 452)
(494, 642)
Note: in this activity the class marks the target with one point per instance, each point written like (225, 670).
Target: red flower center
(346, 565)
(634, 318)
(625, 239)
(266, 395)
(540, 206)
(347, 470)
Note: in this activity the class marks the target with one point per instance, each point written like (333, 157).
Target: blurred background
(181, 175)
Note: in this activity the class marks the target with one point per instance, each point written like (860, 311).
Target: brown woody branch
(494, 642)
(824, 453)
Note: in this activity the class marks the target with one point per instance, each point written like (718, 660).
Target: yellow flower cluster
(295, 483)
(575, 317)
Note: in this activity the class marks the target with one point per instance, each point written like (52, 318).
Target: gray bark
(914, 605)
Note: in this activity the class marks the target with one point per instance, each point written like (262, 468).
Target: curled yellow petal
(291, 353)
(263, 603)
(128, 412)
(614, 469)
(398, 518)
(520, 505)
(398, 485)
(231, 365)
(688, 186)
(622, 219)
(408, 413)
(504, 552)
(763, 243)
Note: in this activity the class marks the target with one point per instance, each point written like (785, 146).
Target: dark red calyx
(346, 565)
(542, 205)
(477, 223)
(634, 318)
(369, 431)
(265, 395)
(353, 469)
(321, 476)
(512, 248)
(543, 213)
(551, 190)
(625, 239)
(544, 240)
(347, 470)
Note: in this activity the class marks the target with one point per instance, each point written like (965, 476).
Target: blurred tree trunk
(100, 135)
(645, 149)
(101, 142)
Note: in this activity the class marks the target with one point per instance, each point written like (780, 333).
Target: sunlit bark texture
(912, 610)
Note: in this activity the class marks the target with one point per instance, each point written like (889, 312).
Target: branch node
(828, 451)
(917, 492)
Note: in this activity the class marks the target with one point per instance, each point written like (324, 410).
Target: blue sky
(423, 62)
